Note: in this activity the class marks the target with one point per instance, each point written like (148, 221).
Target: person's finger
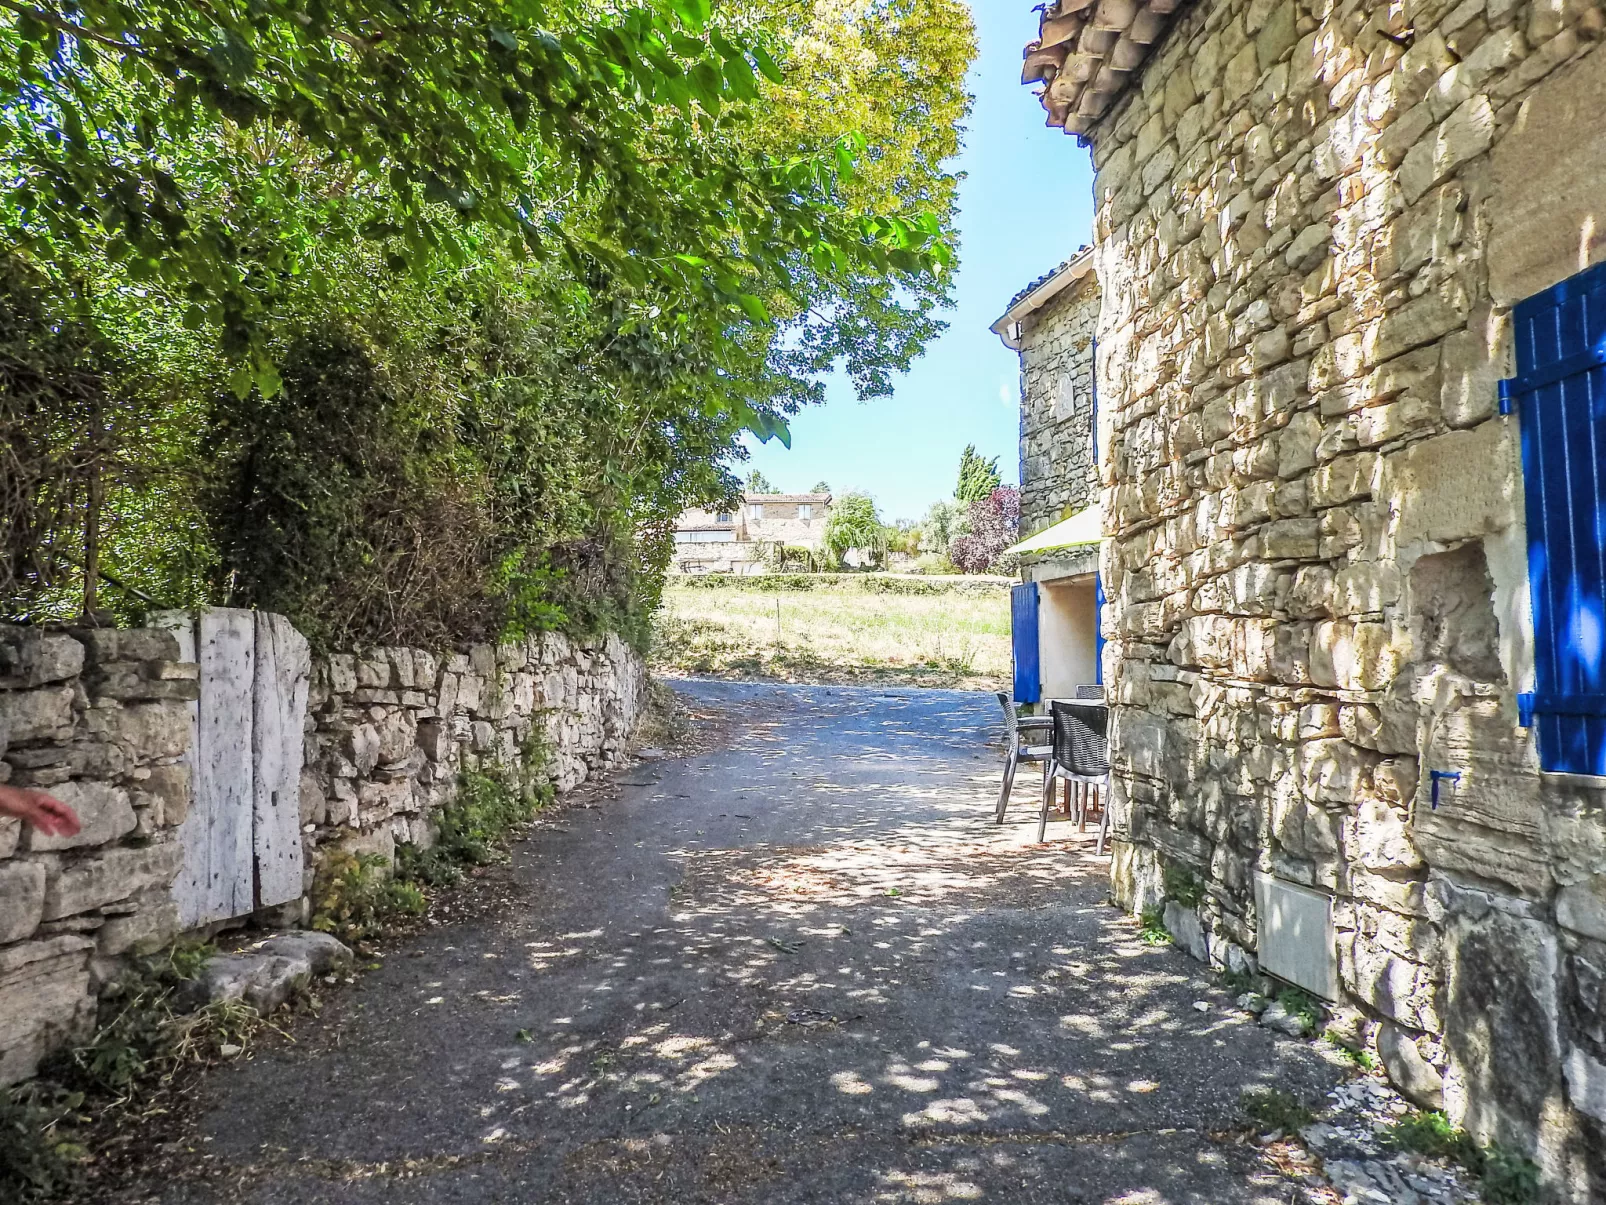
(64, 818)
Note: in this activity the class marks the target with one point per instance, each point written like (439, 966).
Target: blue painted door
(1559, 395)
(1023, 606)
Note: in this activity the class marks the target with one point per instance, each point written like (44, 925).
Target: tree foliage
(757, 483)
(424, 324)
(854, 523)
(978, 476)
(994, 521)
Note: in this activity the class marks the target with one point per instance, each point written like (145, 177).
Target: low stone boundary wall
(390, 730)
(99, 718)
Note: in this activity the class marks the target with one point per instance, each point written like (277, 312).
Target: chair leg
(1009, 781)
(1048, 798)
(1104, 817)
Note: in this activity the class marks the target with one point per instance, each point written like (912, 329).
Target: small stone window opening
(755, 512)
(724, 516)
(805, 511)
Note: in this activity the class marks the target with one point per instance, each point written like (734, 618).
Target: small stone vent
(1296, 935)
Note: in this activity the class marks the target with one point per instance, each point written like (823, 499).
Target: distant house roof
(804, 498)
(1039, 293)
(1088, 51)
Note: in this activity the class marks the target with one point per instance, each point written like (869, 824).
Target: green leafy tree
(942, 523)
(413, 333)
(855, 523)
(821, 487)
(978, 476)
(757, 483)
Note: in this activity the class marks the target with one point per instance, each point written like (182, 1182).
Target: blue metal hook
(1438, 776)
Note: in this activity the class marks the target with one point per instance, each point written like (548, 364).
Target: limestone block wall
(389, 730)
(100, 719)
(1311, 221)
(1056, 415)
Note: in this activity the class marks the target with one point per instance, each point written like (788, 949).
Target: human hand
(45, 812)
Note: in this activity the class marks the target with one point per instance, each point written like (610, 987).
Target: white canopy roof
(1084, 527)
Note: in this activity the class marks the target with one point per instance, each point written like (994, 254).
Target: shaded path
(804, 968)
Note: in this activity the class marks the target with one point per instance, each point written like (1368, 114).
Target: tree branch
(77, 31)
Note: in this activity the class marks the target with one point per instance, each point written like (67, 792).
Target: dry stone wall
(388, 731)
(99, 718)
(1056, 414)
(1312, 219)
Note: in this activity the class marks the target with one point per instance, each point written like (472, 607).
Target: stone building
(744, 540)
(1055, 624)
(1348, 343)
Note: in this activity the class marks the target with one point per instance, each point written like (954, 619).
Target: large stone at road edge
(1500, 1020)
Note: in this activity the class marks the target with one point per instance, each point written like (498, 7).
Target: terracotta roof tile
(1088, 51)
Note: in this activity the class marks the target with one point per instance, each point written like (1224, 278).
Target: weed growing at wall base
(1507, 1177)
(143, 1040)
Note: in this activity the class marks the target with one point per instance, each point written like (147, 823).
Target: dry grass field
(838, 633)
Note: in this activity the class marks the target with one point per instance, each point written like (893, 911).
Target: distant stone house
(1051, 324)
(1350, 350)
(744, 539)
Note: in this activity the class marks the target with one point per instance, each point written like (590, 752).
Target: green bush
(357, 897)
(474, 826)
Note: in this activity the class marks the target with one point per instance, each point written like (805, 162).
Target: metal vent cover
(1297, 942)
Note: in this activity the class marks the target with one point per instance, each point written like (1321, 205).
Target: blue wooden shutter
(1023, 630)
(1559, 393)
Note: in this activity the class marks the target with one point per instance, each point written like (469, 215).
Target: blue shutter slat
(1023, 633)
(1098, 629)
(1561, 366)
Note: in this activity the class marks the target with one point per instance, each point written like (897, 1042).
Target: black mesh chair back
(1080, 742)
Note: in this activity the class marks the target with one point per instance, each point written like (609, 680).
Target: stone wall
(1311, 219)
(99, 718)
(388, 731)
(1056, 414)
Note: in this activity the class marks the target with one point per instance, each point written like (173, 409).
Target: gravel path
(805, 967)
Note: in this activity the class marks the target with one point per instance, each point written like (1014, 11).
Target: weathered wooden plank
(283, 666)
(226, 651)
(189, 888)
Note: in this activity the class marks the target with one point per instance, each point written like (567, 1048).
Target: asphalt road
(805, 967)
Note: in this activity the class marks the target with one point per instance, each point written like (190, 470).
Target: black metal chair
(1081, 756)
(1028, 737)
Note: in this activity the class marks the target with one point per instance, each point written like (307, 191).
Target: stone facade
(1057, 476)
(388, 731)
(1311, 222)
(100, 719)
(743, 540)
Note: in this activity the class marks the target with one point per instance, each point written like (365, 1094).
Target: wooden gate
(242, 836)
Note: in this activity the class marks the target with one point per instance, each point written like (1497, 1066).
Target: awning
(1084, 527)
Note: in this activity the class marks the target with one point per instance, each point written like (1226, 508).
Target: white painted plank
(283, 666)
(223, 765)
(189, 888)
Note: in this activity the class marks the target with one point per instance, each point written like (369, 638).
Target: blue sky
(1025, 205)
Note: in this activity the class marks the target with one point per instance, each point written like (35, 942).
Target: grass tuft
(1507, 1177)
(1273, 1109)
(1352, 1052)
(1307, 1008)
(1151, 927)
